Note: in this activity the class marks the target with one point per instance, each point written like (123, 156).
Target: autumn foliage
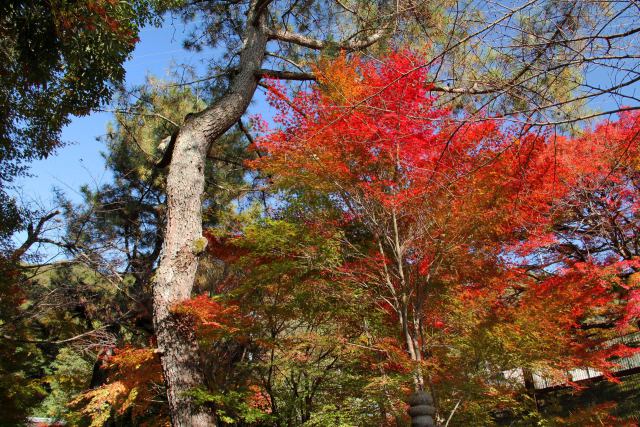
(409, 244)
(134, 384)
(208, 316)
(468, 226)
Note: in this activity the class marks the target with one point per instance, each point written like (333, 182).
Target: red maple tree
(462, 210)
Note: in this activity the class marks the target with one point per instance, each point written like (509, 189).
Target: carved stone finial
(421, 409)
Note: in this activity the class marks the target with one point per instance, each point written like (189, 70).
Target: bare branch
(57, 342)
(33, 235)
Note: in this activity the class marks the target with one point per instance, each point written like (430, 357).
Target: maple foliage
(134, 384)
(570, 290)
(465, 213)
(208, 316)
(301, 354)
(402, 168)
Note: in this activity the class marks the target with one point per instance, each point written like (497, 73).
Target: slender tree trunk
(176, 272)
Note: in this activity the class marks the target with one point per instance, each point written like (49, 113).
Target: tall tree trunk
(176, 272)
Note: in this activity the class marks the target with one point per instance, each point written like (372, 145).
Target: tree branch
(285, 75)
(57, 342)
(313, 43)
(33, 235)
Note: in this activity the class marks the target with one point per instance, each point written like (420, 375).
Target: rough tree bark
(176, 272)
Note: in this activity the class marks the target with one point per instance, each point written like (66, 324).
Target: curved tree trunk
(176, 271)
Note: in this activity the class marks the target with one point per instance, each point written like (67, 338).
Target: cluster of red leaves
(259, 399)
(134, 383)
(91, 16)
(395, 358)
(563, 306)
(210, 318)
(223, 248)
(379, 138)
